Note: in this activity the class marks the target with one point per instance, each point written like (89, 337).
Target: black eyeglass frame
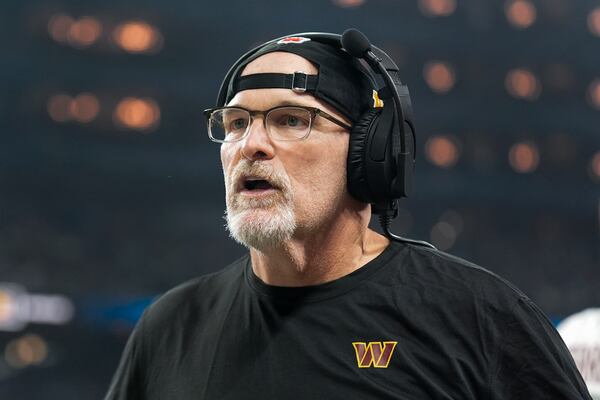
(314, 111)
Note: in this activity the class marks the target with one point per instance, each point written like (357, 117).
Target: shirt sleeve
(127, 382)
(532, 360)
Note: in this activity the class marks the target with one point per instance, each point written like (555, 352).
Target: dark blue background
(111, 218)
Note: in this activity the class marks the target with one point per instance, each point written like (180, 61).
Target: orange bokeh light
(594, 93)
(59, 107)
(84, 32)
(521, 83)
(6, 306)
(348, 3)
(59, 26)
(524, 157)
(439, 76)
(441, 151)
(595, 166)
(137, 37)
(520, 13)
(85, 107)
(593, 21)
(137, 113)
(26, 350)
(437, 8)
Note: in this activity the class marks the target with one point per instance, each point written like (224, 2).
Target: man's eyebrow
(293, 103)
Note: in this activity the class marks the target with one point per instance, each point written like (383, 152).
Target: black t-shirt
(413, 323)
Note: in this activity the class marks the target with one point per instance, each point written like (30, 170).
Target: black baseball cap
(342, 81)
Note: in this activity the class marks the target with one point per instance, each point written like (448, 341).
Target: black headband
(298, 82)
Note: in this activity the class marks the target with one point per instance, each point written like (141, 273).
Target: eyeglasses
(285, 123)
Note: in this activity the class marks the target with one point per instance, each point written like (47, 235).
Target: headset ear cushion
(358, 186)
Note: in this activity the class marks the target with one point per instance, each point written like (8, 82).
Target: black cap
(342, 81)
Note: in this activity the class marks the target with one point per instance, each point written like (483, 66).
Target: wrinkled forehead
(280, 62)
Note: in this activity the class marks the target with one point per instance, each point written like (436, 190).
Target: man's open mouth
(251, 184)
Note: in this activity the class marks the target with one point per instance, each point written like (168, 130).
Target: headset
(382, 148)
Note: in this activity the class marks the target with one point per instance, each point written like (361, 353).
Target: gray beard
(262, 224)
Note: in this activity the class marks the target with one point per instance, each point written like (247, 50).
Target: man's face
(309, 174)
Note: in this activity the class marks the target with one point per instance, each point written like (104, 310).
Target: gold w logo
(377, 354)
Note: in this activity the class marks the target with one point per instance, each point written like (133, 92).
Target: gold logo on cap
(377, 102)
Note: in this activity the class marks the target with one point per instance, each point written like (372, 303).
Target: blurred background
(111, 192)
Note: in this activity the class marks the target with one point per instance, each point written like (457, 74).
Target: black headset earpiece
(388, 163)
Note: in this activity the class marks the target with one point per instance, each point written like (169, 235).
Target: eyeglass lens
(283, 123)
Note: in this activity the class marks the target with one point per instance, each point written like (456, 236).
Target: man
(322, 306)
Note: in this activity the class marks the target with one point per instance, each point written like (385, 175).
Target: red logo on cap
(293, 39)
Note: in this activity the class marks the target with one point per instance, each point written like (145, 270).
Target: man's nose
(257, 144)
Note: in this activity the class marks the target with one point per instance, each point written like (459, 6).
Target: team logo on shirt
(376, 354)
(293, 39)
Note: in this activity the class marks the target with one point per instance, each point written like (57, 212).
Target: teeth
(254, 178)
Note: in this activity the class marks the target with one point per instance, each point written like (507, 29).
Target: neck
(312, 258)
